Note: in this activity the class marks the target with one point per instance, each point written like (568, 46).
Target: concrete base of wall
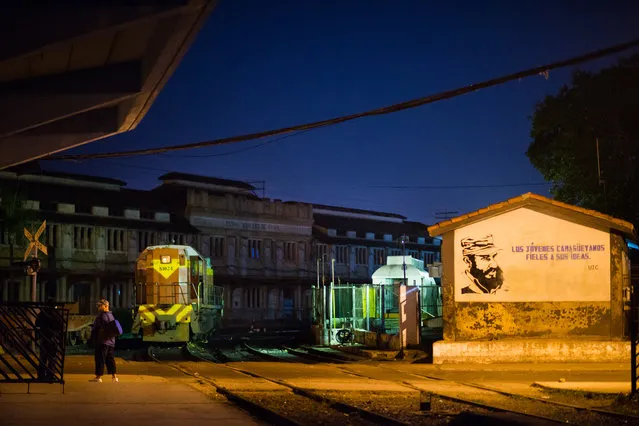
(539, 350)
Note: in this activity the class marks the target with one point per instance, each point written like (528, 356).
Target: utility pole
(402, 344)
(34, 278)
(330, 303)
(324, 316)
(316, 294)
(34, 265)
(323, 275)
(383, 307)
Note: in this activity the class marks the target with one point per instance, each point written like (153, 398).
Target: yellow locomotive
(175, 297)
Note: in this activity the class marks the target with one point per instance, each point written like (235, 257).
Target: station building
(267, 254)
(531, 279)
(260, 248)
(360, 241)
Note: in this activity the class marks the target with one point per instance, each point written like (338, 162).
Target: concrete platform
(594, 387)
(154, 392)
(136, 400)
(531, 350)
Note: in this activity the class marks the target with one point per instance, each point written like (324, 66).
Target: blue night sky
(262, 65)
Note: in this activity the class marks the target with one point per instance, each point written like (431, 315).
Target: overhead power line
(237, 151)
(498, 185)
(469, 186)
(543, 70)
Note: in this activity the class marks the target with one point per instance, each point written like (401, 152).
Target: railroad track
(334, 354)
(559, 412)
(360, 415)
(278, 355)
(290, 354)
(219, 355)
(312, 402)
(372, 416)
(613, 414)
(314, 356)
(157, 355)
(488, 398)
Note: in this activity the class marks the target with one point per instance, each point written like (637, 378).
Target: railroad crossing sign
(34, 244)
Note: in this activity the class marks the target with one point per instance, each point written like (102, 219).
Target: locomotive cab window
(165, 259)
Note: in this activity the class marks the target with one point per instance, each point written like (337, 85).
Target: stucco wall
(559, 279)
(448, 288)
(475, 321)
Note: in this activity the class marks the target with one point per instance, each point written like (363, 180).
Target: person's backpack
(112, 329)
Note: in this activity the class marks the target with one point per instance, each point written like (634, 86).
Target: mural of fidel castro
(483, 273)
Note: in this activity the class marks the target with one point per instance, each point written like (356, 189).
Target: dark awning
(73, 73)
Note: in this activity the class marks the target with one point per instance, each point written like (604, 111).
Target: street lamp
(320, 259)
(324, 313)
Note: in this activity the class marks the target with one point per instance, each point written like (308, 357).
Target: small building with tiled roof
(533, 279)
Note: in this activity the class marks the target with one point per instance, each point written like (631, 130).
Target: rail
(593, 415)
(310, 396)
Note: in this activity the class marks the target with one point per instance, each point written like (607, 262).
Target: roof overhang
(591, 218)
(397, 272)
(73, 74)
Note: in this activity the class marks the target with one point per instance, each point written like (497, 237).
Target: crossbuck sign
(34, 244)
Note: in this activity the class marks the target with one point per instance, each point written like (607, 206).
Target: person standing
(104, 345)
